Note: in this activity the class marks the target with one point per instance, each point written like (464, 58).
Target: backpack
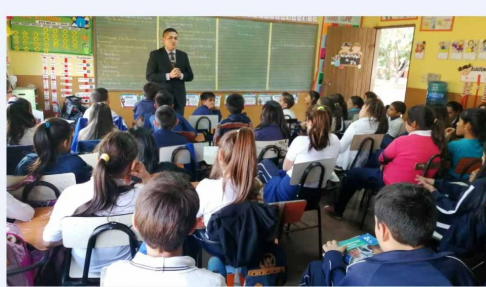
(18, 256)
(73, 108)
(271, 270)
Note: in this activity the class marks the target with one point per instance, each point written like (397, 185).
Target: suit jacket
(159, 65)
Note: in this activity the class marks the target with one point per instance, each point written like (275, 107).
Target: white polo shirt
(212, 198)
(145, 270)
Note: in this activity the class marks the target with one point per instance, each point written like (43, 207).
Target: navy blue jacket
(182, 126)
(420, 267)
(269, 133)
(145, 106)
(205, 111)
(165, 138)
(234, 118)
(459, 206)
(65, 163)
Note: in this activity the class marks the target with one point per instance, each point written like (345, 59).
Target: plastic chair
(228, 127)
(15, 154)
(42, 189)
(204, 124)
(277, 148)
(467, 165)
(90, 158)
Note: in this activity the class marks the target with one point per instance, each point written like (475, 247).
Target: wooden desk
(32, 230)
(195, 183)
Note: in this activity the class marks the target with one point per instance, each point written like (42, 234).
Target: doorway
(391, 63)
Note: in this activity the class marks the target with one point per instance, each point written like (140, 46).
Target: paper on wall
(192, 100)
(217, 101)
(456, 50)
(128, 100)
(482, 50)
(263, 99)
(250, 99)
(470, 50)
(443, 53)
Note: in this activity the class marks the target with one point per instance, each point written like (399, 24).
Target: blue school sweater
(145, 106)
(269, 133)
(65, 163)
(182, 126)
(463, 148)
(165, 138)
(420, 267)
(234, 118)
(205, 111)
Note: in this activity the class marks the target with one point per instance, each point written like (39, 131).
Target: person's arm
(456, 206)
(152, 73)
(187, 75)
(186, 126)
(292, 153)
(347, 138)
(389, 153)
(333, 263)
(18, 210)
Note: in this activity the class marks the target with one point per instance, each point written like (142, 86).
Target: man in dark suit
(170, 68)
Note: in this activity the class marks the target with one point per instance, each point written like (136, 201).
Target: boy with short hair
(207, 107)
(287, 101)
(166, 120)
(99, 95)
(405, 219)
(395, 121)
(355, 103)
(235, 104)
(165, 213)
(147, 104)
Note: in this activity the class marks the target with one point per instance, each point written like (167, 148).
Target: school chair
(228, 127)
(204, 124)
(190, 136)
(290, 212)
(311, 172)
(347, 123)
(90, 158)
(467, 165)
(40, 191)
(189, 155)
(87, 146)
(431, 164)
(15, 154)
(210, 154)
(271, 149)
(91, 233)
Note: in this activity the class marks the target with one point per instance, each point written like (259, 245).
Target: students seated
(453, 110)
(99, 95)
(405, 218)
(425, 139)
(370, 96)
(319, 144)
(311, 98)
(165, 121)
(372, 120)
(394, 113)
(165, 213)
(273, 126)
(233, 176)
(355, 103)
(147, 105)
(330, 106)
(164, 98)
(18, 210)
(338, 100)
(21, 123)
(462, 216)
(472, 128)
(100, 123)
(207, 107)
(287, 101)
(235, 104)
(52, 143)
(108, 193)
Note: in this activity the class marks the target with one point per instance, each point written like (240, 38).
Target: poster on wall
(420, 50)
(349, 55)
(192, 100)
(482, 49)
(437, 23)
(472, 74)
(263, 99)
(470, 50)
(250, 99)
(443, 50)
(456, 50)
(398, 18)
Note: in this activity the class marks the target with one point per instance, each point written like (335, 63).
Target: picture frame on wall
(436, 24)
(398, 18)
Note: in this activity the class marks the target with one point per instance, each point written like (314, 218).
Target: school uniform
(463, 148)
(212, 197)
(419, 267)
(399, 160)
(165, 138)
(394, 126)
(145, 270)
(203, 110)
(182, 126)
(352, 112)
(277, 182)
(459, 216)
(77, 195)
(271, 132)
(144, 107)
(65, 163)
(234, 118)
(362, 126)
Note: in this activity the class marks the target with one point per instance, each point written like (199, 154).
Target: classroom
(163, 151)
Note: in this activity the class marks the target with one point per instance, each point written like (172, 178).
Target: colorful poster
(192, 100)
(349, 55)
(472, 74)
(457, 48)
(470, 50)
(443, 50)
(420, 50)
(482, 50)
(263, 99)
(250, 99)
(437, 23)
(217, 101)
(128, 100)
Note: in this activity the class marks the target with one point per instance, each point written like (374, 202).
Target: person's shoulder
(208, 278)
(208, 184)
(115, 270)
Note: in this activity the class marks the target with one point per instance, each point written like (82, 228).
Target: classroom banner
(59, 34)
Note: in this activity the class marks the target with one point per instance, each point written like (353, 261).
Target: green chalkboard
(197, 37)
(243, 54)
(292, 56)
(123, 46)
(67, 35)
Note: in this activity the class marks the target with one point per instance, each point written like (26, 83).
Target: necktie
(172, 59)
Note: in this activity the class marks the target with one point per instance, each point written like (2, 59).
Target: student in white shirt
(233, 176)
(18, 210)
(165, 213)
(287, 101)
(100, 95)
(395, 121)
(21, 123)
(372, 120)
(319, 144)
(99, 124)
(108, 193)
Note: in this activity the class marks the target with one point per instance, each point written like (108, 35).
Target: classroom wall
(464, 28)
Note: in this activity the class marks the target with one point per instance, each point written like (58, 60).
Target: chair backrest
(210, 154)
(347, 123)
(467, 165)
(292, 211)
(313, 176)
(87, 146)
(228, 127)
(90, 158)
(358, 139)
(203, 122)
(183, 157)
(270, 153)
(365, 145)
(15, 154)
(431, 164)
(42, 193)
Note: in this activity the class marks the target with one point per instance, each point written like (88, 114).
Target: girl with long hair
(100, 123)
(20, 122)
(272, 126)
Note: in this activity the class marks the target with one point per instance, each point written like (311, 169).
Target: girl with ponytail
(109, 192)
(319, 143)
(52, 142)
(20, 122)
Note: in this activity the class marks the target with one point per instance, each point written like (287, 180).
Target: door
(349, 61)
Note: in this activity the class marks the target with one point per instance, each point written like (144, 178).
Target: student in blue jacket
(207, 107)
(147, 105)
(166, 121)
(405, 217)
(273, 126)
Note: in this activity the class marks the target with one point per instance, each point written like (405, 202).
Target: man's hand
(333, 245)
(175, 73)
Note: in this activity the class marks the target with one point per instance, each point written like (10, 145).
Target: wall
(464, 28)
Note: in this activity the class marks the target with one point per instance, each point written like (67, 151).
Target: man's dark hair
(150, 90)
(168, 30)
(288, 99)
(164, 98)
(235, 103)
(165, 211)
(408, 211)
(399, 107)
(166, 117)
(99, 95)
(207, 95)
